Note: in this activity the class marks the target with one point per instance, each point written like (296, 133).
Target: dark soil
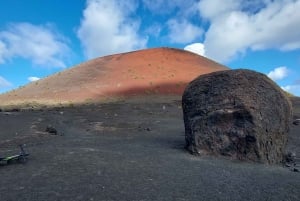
(128, 151)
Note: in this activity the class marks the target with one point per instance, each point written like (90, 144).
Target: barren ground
(128, 150)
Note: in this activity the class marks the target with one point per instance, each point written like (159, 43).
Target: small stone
(295, 170)
(290, 157)
(50, 129)
(296, 122)
(287, 165)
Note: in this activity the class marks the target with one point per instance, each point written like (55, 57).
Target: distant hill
(157, 71)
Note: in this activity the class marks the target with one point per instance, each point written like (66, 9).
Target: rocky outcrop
(241, 114)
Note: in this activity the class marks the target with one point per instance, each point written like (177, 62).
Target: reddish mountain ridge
(157, 71)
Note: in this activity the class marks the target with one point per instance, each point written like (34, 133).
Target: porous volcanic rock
(237, 113)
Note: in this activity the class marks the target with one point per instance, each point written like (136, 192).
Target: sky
(41, 37)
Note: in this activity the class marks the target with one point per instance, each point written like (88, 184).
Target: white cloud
(227, 38)
(106, 28)
(156, 5)
(33, 79)
(233, 29)
(293, 89)
(214, 8)
(2, 51)
(197, 48)
(165, 7)
(4, 83)
(154, 30)
(278, 73)
(183, 31)
(40, 44)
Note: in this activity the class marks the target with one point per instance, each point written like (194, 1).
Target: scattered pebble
(290, 161)
(290, 157)
(145, 129)
(296, 122)
(50, 129)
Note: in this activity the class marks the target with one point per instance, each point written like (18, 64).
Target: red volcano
(158, 71)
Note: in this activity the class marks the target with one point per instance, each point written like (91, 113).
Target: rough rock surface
(237, 113)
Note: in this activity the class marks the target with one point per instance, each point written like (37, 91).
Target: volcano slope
(158, 71)
(130, 149)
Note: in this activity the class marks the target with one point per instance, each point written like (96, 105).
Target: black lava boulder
(241, 114)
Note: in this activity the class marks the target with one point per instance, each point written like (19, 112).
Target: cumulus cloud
(2, 51)
(106, 28)
(235, 29)
(278, 73)
(197, 48)
(154, 30)
(164, 7)
(293, 89)
(156, 5)
(183, 31)
(4, 83)
(210, 9)
(40, 44)
(33, 79)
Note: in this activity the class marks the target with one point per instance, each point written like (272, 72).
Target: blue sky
(41, 37)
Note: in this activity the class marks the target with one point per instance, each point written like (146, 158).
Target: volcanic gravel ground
(128, 151)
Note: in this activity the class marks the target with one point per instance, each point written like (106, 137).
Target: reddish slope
(152, 71)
